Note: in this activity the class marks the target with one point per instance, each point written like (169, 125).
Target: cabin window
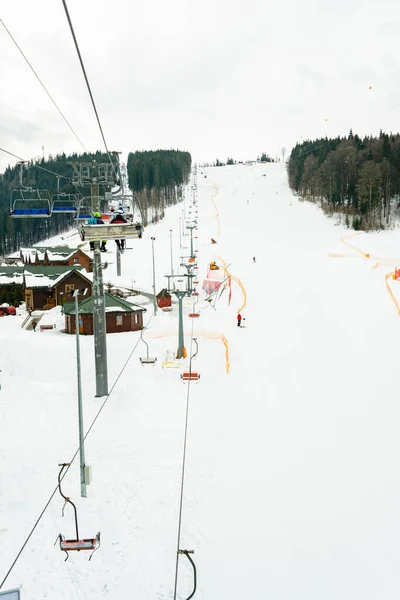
(76, 261)
(119, 320)
(136, 319)
(69, 287)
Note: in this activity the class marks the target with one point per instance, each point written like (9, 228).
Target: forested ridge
(17, 233)
(157, 177)
(359, 178)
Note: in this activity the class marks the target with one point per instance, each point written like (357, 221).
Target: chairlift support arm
(187, 553)
(63, 465)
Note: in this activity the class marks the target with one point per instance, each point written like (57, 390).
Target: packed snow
(291, 486)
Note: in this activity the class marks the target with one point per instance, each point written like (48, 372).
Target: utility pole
(180, 234)
(99, 311)
(191, 227)
(118, 262)
(96, 174)
(80, 409)
(154, 278)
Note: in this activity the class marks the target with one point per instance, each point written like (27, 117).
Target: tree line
(358, 178)
(17, 233)
(157, 177)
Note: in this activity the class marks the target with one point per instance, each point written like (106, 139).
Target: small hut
(120, 315)
(164, 299)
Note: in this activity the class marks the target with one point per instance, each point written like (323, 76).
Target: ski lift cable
(33, 165)
(183, 469)
(88, 84)
(71, 461)
(43, 86)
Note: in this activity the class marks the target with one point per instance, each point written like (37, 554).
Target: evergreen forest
(17, 233)
(156, 177)
(357, 178)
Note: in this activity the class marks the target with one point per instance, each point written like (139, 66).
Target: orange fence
(380, 261)
(205, 334)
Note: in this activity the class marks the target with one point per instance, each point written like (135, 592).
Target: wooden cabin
(47, 287)
(120, 315)
(57, 256)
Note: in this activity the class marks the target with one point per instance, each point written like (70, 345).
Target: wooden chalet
(47, 287)
(120, 315)
(57, 256)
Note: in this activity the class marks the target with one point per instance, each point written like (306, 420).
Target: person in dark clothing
(254, 259)
(34, 324)
(239, 320)
(119, 218)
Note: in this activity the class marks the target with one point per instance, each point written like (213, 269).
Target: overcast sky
(218, 78)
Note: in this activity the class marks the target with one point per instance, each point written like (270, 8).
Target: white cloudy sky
(218, 78)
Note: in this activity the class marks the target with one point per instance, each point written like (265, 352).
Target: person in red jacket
(239, 320)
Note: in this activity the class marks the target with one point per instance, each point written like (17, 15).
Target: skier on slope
(239, 320)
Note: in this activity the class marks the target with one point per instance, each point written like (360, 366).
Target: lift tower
(96, 175)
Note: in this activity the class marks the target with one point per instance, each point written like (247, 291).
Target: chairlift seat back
(110, 231)
(194, 315)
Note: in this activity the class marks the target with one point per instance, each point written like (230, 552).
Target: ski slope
(292, 485)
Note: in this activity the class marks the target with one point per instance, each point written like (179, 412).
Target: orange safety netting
(392, 275)
(205, 334)
(387, 277)
(346, 237)
(237, 280)
(215, 206)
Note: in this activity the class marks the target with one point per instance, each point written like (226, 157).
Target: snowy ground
(292, 485)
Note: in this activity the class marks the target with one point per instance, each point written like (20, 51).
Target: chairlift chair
(84, 206)
(191, 375)
(68, 545)
(30, 203)
(110, 231)
(147, 360)
(63, 203)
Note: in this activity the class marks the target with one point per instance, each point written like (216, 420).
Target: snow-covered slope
(292, 485)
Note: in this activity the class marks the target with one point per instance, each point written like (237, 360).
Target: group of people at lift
(117, 218)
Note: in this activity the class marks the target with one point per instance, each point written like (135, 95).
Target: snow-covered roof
(42, 277)
(113, 304)
(11, 274)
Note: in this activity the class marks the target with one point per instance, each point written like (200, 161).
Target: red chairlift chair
(191, 375)
(75, 544)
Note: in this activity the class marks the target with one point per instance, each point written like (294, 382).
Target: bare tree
(283, 152)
